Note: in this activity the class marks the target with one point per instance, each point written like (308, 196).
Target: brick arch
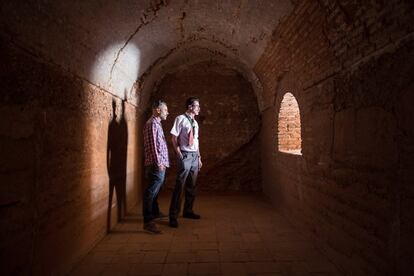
(289, 126)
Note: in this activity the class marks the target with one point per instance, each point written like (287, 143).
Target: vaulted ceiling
(125, 46)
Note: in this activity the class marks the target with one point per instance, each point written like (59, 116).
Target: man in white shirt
(185, 143)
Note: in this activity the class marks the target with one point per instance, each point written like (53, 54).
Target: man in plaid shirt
(156, 163)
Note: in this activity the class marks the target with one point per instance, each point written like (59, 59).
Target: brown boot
(152, 228)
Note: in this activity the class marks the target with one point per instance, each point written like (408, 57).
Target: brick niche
(288, 126)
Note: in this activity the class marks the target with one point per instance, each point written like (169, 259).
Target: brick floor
(237, 235)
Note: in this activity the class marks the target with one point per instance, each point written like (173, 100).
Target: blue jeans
(155, 179)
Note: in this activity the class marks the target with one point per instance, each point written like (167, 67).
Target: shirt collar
(189, 115)
(157, 119)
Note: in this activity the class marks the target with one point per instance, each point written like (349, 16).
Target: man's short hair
(158, 103)
(190, 101)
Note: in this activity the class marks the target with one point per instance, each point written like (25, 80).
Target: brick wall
(349, 66)
(54, 129)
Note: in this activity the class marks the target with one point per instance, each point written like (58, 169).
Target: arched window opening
(289, 128)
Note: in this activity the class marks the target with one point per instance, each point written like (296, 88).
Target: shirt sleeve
(153, 144)
(176, 129)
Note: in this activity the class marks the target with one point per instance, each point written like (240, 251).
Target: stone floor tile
(228, 246)
(259, 255)
(202, 245)
(207, 237)
(253, 245)
(117, 238)
(88, 270)
(128, 258)
(288, 255)
(204, 269)
(232, 269)
(263, 267)
(251, 237)
(175, 269)
(142, 237)
(190, 237)
(206, 230)
(156, 246)
(320, 266)
(116, 269)
(226, 237)
(154, 257)
(180, 257)
(234, 256)
(181, 246)
(146, 269)
(207, 256)
(110, 247)
(132, 248)
(101, 257)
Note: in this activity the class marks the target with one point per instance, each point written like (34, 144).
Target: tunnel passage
(229, 124)
(349, 65)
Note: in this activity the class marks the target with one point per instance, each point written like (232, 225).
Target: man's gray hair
(158, 104)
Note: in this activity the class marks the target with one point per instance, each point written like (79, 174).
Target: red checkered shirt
(155, 146)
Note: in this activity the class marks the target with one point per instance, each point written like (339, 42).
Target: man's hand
(161, 167)
(200, 164)
(180, 155)
(176, 147)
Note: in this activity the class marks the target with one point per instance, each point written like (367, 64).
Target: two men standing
(185, 132)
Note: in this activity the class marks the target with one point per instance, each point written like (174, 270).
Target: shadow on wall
(53, 205)
(117, 162)
(116, 70)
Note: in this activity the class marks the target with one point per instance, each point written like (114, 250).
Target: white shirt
(181, 129)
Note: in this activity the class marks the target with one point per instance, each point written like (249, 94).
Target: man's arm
(155, 144)
(176, 146)
(200, 164)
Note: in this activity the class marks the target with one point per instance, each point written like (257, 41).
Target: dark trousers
(187, 171)
(155, 179)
